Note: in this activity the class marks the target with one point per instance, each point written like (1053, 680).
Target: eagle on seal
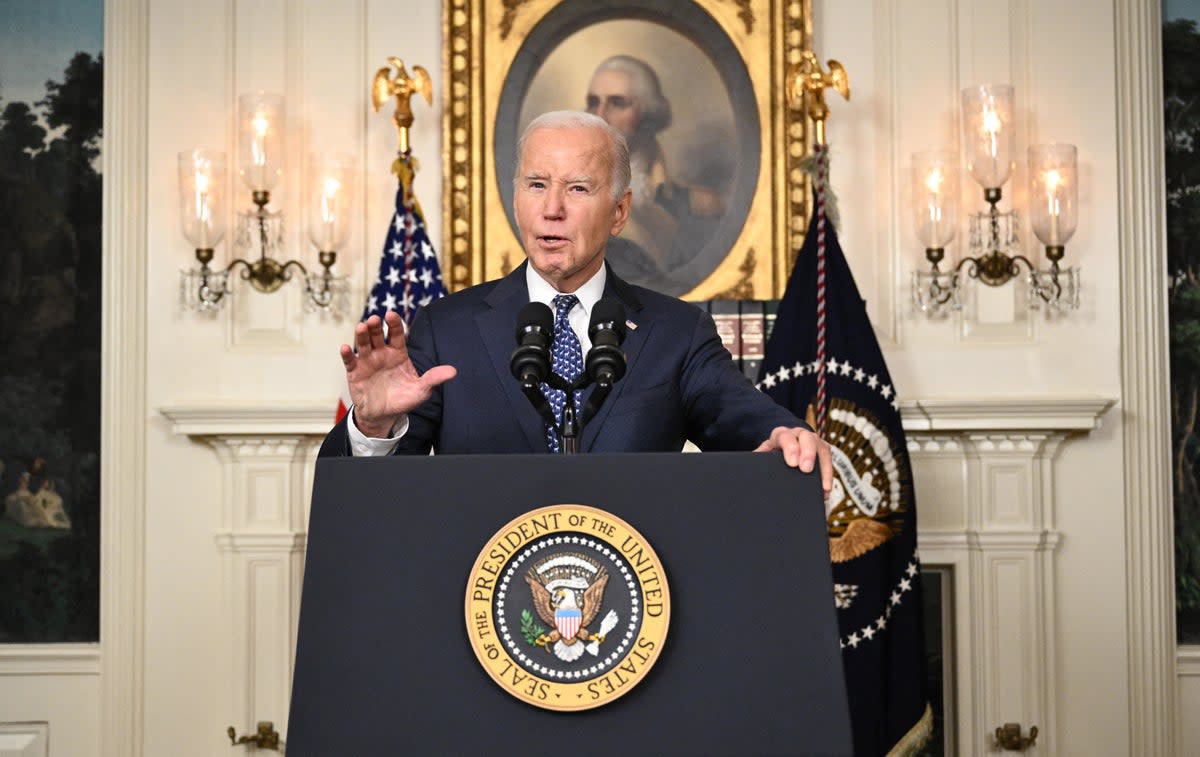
(558, 604)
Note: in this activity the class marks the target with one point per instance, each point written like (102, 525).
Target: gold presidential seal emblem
(567, 607)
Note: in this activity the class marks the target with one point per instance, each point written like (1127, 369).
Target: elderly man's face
(564, 204)
(610, 96)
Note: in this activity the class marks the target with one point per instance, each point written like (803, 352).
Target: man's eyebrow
(542, 176)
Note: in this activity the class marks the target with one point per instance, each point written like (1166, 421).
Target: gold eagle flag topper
(808, 78)
(403, 87)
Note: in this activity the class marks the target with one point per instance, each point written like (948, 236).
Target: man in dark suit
(447, 386)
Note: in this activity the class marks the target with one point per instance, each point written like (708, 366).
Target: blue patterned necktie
(568, 362)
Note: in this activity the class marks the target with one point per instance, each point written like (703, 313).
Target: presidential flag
(409, 274)
(824, 363)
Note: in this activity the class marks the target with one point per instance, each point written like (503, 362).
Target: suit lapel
(496, 326)
(635, 338)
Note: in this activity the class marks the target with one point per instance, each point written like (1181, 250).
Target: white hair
(576, 119)
(655, 109)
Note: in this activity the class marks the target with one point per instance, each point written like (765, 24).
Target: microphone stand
(571, 427)
(568, 434)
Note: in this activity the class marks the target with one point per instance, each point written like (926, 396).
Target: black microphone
(605, 362)
(531, 359)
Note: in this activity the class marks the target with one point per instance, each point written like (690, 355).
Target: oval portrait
(676, 88)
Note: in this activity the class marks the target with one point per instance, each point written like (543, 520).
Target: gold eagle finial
(403, 87)
(807, 78)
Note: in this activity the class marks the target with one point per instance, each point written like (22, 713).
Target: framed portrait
(696, 86)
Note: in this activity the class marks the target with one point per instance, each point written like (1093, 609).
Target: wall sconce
(328, 186)
(994, 235)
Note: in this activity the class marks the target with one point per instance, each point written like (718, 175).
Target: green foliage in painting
(50, 288)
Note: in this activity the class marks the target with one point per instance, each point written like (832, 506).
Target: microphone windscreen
(536, 315)
(610, 311)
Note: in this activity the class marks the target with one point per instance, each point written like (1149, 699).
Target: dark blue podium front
(751, 664)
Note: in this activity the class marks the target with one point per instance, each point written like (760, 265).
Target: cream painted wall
(906, 61)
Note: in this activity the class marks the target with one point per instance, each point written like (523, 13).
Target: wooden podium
(751, 662)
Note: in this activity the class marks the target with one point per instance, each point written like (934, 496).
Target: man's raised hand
(383, 382)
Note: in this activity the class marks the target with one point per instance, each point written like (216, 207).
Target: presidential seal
(567, 607)
(866, 506)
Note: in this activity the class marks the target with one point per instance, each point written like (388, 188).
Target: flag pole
(806, 85)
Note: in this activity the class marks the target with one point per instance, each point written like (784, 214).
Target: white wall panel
(49, 714)
(24, 740)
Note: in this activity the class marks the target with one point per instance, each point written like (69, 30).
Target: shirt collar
(589, 293)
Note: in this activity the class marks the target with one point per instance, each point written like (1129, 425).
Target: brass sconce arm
(321, 287)
(935, 288)
(266, 275)
(994, 235)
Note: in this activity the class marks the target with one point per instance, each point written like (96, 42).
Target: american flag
(409, 275)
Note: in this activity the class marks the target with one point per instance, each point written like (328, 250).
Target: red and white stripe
(819, 180)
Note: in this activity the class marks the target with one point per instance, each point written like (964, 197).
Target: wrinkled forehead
(566, 154)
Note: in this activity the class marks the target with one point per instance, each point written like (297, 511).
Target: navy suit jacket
(681, 382)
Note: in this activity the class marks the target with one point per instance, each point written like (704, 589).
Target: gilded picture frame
(720, 199)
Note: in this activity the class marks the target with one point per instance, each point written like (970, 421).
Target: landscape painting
(51, 113)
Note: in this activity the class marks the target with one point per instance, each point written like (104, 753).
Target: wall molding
(49, 659)
(1141, 255)
(286, 542)
(1187, 662)
(123, 379)
(202, 418)
(216, 417)
(1005, 413)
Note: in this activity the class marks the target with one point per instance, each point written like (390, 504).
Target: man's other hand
(801, 449)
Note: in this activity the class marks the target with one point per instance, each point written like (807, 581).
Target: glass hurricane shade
(201, 197)
(260, 140)
(330, 183)
(935, 197)
(1053, 193)
(988, 133)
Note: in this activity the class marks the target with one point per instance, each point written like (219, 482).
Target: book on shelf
(725, 314)
(751, 337)
(744, 327)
